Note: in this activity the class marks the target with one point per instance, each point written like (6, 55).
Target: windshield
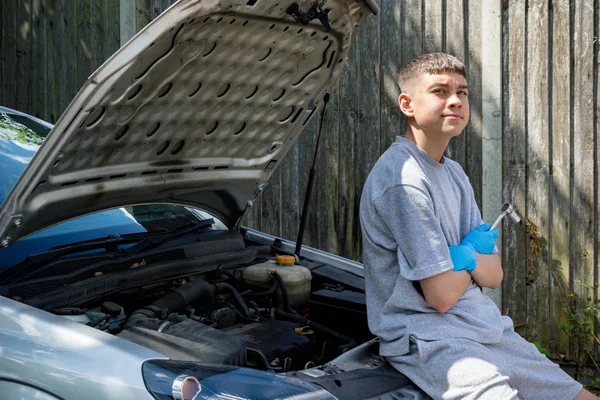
(20, 137)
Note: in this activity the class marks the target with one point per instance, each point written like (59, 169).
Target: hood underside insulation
(197, 109)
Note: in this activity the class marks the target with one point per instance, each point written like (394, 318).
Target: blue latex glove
(481, 239)
(463, 258)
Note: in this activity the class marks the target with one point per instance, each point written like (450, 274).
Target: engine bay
(274, 313)
(220, 297)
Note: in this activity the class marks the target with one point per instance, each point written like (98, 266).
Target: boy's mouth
(452, 116)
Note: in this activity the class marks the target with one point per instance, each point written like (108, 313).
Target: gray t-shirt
(412, 208)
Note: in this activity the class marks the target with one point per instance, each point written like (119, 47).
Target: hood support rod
(311, 178)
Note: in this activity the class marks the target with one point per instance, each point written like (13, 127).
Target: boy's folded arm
(488, 272)
(407, 212)
(442, 291)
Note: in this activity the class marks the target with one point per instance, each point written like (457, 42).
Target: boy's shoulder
(400, 152)
(398, 165)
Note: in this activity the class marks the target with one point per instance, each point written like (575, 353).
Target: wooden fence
(548, 144)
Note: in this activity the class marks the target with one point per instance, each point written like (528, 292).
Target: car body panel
(197, 109)
(14, 390)
(68, 359)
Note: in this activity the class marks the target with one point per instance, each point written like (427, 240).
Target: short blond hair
(432, 63)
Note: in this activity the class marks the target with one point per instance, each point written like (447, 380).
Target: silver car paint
(67, 359)
(14, 390)
(197, 109)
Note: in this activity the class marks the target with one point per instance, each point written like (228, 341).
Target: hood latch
(316, 12)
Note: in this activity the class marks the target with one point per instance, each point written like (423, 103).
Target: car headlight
(181, 380)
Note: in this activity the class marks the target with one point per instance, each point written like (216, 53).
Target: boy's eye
(438, 91)
(463, 92)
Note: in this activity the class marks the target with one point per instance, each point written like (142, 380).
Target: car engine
(208, 319)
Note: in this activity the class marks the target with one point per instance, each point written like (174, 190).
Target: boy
(425, 252)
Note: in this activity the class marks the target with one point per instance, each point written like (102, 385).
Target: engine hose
(349, 342)
(266, 293)
(284, 293)
(175, 300)
(190, 293)
(264, 359)
(236, 295)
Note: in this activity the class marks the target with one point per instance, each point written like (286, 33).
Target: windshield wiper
(155, 241)
(32, 262)
(111, 243)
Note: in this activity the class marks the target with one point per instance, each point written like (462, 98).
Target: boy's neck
(433, 146)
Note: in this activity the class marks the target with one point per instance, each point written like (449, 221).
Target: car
(125, 269)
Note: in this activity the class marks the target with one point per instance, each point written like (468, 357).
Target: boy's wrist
(463, 258)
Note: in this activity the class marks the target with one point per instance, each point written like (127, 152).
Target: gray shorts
(463, 369)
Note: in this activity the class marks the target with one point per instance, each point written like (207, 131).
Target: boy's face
(438, 103)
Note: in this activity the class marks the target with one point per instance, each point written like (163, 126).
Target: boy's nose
(454, 101)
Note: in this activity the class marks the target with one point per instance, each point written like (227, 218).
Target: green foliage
(542, 349)
(593, 385)
(582, 312)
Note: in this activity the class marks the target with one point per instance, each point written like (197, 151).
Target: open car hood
(197, 109)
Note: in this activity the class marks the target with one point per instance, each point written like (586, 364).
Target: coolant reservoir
(295, 277)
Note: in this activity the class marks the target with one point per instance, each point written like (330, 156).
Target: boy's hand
(481, 239)
(463, 258)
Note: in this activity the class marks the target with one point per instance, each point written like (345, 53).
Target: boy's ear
(405, 103)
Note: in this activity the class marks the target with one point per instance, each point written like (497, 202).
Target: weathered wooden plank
(484, 137)
(391, 44)
(560, 193)
(114, 20)
(53, 34)
(9, 53)
(348, 245)
(23, 93)
(412, 40)
(271, 205)
(538, 168)
(474, 132)
(253, 217)
(158, 6)
(433, 38)
(455, 45)
(369, 120)
(99, 33)
(291, 202)
(68, 54)
(328, 171)
(582, 207)
(127, 20)
(38, 59)
(85, 48)
(306, 152)
(455, 28)
(69, 49)
(596, 239)
(143, 11)
(514, 252)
